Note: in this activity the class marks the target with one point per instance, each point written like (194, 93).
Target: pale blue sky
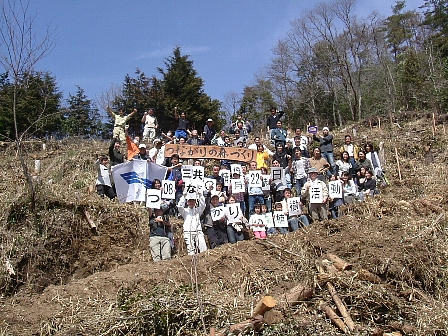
(98, 42)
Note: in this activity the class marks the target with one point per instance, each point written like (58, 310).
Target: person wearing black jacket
(216, 229)
(271, 121)
(116, 157)
(159, 242)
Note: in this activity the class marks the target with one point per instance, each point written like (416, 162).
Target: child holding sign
(257, 222)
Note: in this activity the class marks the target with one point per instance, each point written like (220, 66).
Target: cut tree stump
(266, 303)
(298, 294)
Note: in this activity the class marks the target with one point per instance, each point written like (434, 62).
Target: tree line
(333, 67)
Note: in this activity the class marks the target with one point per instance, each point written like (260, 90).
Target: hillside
(71, 280)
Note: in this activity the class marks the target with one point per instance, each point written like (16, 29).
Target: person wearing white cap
(209, 132)
(142, 153)
(326, 147)
(193, 235)
(156, 154)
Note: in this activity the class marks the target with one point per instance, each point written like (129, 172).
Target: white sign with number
(153, 198)
(335, 189)
(255, 179)
(294, 208)
(168, 189)
(280, 219)
(233, 213)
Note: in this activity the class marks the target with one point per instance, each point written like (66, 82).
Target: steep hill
(60, 277)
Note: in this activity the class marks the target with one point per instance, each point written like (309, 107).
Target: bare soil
(70, 280)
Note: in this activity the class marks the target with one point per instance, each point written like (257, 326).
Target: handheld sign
(269, 220)
(294, 208)
(257, 222)
(238, 185)
(255, 179)
(225, 174)
(233, 213)
(316, 194)
(198, 174)
(280, 219)
(335, 189)
(313, 129)
(209, 182)
(168, 189)
(153, 198)
(266, 184)
(277, 174)
(217, 213)
(236, 168)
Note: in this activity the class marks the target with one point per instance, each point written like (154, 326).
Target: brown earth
(70, 280)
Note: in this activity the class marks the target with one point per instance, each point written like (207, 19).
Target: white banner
(134, 177)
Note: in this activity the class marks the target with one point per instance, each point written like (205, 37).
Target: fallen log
(364, 274)
(341, 307)
(92, 224)
(266, 303)
(334, 318)
(254, 323)
(340, 264)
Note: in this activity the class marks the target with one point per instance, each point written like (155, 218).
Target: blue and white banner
(134, 177)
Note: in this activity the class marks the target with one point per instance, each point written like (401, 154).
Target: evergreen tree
(436, 17)
(37, 105)
(182, 87)
(81, 116)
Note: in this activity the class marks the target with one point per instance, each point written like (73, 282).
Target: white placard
(255, 179)
(257, 222)
(217, 213)
(190, 187)
(269, 220)
(280, 219)
(209, 182)
(335, 189)
(225, 174)
(294, 208)
(277, 174)
(168, 189)
(187, 172)
(198, 174)
(236, 168)
(233, 213)
(238, 185)
(316, 193)
(267, 185)
(153, 198)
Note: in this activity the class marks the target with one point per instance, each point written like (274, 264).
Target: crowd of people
(303, 179)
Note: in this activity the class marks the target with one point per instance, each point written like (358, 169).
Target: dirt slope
(70, 281)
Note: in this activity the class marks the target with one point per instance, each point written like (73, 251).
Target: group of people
(264, 197)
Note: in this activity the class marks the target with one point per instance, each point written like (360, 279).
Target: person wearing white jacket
(193, 235)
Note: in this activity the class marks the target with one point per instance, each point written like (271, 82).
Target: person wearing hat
(142, 153)
(326, 147)
(316, 189)
(209, 132)
(156, 154)
(216, 229)
(151, 125)
(192, 229)
(159, 242)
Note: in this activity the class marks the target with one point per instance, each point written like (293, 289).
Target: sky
(98, 42)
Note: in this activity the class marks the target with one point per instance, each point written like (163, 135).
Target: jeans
(234, 235)
(299, 185)
(296, 222)
(253, 199)
(330, 159)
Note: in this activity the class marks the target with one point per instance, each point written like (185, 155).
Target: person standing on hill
(209, 132)
(182, 130)
(159, 242)
(326, 147)
(151, 125)
(120, 121)
(271, 121)
(103, 181)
